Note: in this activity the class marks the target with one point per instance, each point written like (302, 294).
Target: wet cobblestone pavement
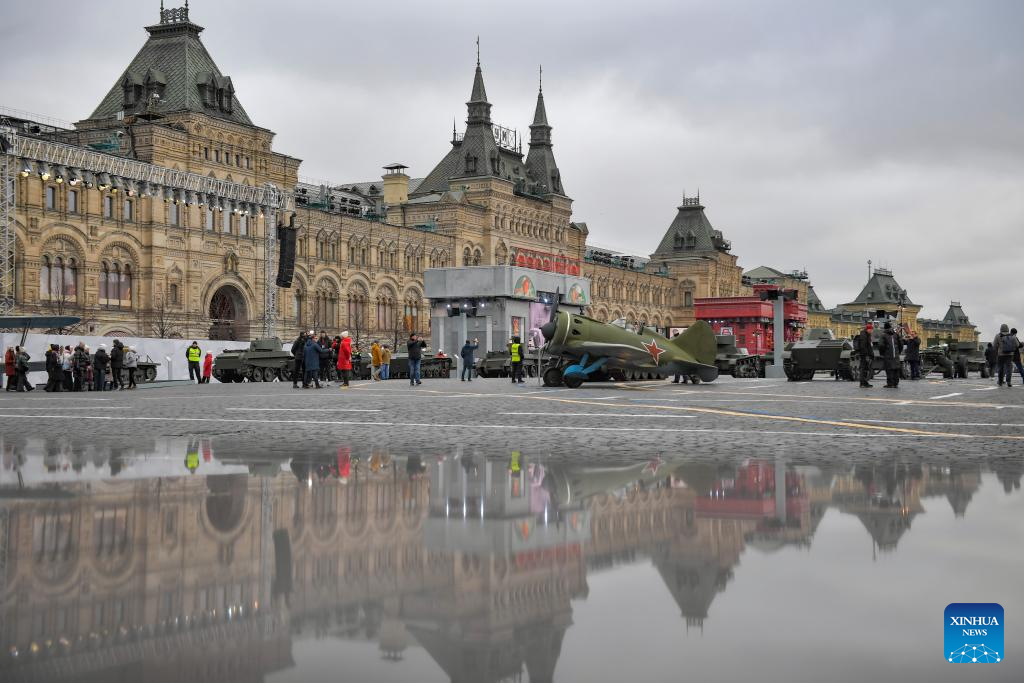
(490, 532)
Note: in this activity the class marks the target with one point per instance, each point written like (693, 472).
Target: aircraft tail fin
(699, 341)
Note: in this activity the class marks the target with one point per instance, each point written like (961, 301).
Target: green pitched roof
(690, 233)
(882, 288)
(176, 63)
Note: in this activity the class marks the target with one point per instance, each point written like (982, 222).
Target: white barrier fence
(169, 353)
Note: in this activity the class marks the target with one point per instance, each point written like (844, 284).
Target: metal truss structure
(269, 199)
(7, 213)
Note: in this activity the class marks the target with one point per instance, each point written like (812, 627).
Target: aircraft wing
(625, 352)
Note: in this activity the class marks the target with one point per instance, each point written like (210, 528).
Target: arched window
(467, 257)
(411, 314)
(126, 287)
(386, 311)
(297, 307)
(477, 257)
(174, 293)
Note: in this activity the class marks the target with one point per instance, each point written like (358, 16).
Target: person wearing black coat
(116, 363)
(415, 348)
(913, 355)
(100, 360)
(54, 376)
(298, 352)
(80, 362)
(866, 350)
(892, 346)
(21, 359)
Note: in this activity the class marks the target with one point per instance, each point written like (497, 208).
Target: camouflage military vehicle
(398, 368)
(263, 361)
(499, 364)
(819, 351)
(968, 357)
(937, 359)
(735, 361)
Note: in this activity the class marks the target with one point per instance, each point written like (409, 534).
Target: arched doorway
(229, 318)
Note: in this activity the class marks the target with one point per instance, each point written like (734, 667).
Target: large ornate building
(883, 292)
(133, 257)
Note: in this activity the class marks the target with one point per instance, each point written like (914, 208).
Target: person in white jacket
(131, 363)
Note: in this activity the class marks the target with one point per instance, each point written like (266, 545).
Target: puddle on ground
(165, 561)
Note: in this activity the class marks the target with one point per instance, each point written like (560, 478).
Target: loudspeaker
(286, 253)
(282, 562)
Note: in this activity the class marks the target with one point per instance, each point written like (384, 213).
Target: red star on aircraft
(654, 350)
(653, 465)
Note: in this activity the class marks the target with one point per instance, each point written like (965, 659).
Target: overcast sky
(820, 134)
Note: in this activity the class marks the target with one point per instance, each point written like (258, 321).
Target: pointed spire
(540, 115)
(479, 107)
(479, 92)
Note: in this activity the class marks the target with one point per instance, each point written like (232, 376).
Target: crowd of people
(76, 369)
(316, 357)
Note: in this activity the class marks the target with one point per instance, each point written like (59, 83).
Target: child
(207, 367)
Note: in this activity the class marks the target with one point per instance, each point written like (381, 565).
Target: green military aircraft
(586, 346)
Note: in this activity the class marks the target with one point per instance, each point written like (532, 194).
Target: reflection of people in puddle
(344, 463)
(192, 456)
(540, 497)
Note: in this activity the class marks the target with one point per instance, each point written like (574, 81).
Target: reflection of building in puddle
(475, 559)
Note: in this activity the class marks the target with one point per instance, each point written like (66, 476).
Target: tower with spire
(541, 170)
(518, 203)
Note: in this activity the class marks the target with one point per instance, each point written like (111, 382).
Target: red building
(750, 320)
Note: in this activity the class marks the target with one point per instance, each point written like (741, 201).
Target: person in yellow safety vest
(192, 456)
(194, 354)
(515, 348)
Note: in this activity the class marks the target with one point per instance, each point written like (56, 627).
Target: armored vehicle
(430, 367)
(735, 361)
(499, 364)
(819, 351)
(264, 361)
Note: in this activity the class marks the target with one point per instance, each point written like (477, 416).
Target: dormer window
(470, 164)
(691, 240)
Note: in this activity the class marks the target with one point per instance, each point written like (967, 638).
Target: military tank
(499, 364)
(263, 361)
(431, 367)
(819, 351)
(735, 361)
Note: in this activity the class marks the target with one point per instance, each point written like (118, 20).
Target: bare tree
(162, 323)
(61, 304)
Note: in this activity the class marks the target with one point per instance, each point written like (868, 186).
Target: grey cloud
(820, 134)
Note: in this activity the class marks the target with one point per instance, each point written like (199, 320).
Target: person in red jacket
(10, 369)
(345, 359)
(207, 367)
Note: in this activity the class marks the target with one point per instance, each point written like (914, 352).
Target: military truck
(735, 361)
(968, 357)
(819, 351)
(263, 361)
